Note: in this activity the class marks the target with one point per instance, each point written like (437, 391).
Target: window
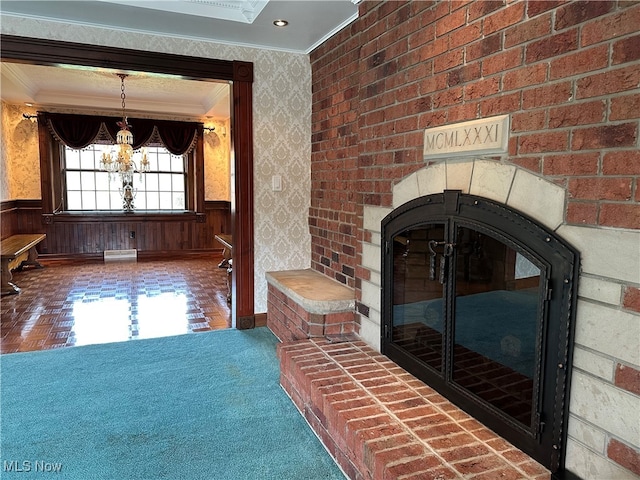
(73, 181)
(88, 187)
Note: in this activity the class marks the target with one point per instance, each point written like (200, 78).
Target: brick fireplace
(478, 301)
(567, 75)
(338, 378)
(543, 201)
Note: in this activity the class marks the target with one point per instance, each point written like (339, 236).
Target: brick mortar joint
(407, 429)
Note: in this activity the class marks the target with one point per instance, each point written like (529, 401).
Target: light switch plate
(276, 183)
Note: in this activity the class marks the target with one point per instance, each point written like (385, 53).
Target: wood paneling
(72, 235)
(8, 219)
(20, 216)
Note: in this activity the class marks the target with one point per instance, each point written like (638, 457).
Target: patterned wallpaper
(20, 157)
(282, 133)
(5, 193)
(217, 173)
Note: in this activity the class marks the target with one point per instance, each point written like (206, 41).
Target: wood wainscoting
(81, 235)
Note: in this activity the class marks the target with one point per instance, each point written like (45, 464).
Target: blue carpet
(199, 406)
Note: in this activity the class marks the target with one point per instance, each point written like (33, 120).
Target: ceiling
(235, 22)
(91, 90)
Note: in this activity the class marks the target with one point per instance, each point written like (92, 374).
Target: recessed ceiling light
(280, 23)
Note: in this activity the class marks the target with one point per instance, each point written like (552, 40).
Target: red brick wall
(567, 73)
(289, 321)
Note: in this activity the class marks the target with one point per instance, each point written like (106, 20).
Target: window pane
(152, 157)
(178, 201)
(177, 182)
(88, 200)
(165, 183)
(73, 181)
(151, 180)
(88, 181)
(140, 201)
(153, 202)
(116, 200)
(95, 189)
(72, 158)
(165, 200)
(87, 160)
(103, 201)
(102, 181)
(164, 162)
(74, 201)
(177, 163)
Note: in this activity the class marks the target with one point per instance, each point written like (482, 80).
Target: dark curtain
(78, 131)
(75, 131)
(177, 137)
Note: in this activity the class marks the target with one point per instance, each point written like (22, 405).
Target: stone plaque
(485, 136)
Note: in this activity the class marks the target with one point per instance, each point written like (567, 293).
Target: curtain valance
(78, 131)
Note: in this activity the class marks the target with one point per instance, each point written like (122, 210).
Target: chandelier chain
(122, 94)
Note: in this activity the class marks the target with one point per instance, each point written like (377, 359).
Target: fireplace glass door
(468, 294)
(496, 305)
(418, 314)
(491, 318)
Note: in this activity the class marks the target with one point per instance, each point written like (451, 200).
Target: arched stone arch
(532, 195)
(540, 199)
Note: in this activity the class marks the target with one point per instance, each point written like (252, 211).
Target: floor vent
(121, 255)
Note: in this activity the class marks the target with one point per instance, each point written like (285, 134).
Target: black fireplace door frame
(545, 438)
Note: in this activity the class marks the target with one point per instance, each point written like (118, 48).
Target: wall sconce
(28, 116)
(223, 130)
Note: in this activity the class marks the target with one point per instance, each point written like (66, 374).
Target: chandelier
(119, 159)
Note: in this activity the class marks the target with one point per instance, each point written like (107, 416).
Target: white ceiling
(86, 89)
(236, 22)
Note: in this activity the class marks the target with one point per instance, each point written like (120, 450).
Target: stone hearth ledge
(313, 291)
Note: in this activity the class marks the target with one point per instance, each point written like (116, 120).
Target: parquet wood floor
(64, 305)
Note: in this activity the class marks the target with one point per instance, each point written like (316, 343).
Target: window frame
(52, 181)
(185, 159)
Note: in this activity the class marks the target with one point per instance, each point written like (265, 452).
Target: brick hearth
(305, 303)
(379, 422)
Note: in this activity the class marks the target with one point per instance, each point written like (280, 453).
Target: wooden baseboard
(251, 321)
(99, 257)
(173, 255)
(261, 320)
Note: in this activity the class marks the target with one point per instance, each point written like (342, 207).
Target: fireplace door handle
(432, 259)
(445, 262)
(444, 259)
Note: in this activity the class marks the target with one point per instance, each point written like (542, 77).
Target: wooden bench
(227, 261)
(18, 251)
